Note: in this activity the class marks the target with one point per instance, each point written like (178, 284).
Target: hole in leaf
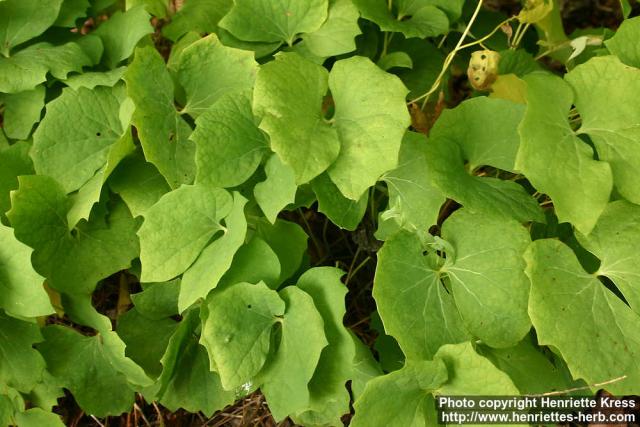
(98, 134)
(483, 56)
(248, 305)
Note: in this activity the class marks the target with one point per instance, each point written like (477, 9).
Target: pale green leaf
(520, 361)
(215, 259)
(599, 334)
(402, 398)
(485, 195)
(395, 60)
(22, 111)
(606, 91)
(286, 376)
(487, 276)
(288, 98)
(414, 305)
(472, 374)
(236, 330)
(288, 240)
(337, 34)
(274, 20)
(29, 67)
(163, 134)
(73, 154)
(21, 20)
(81, 365)
(208, 70)
(329, 397)
(36, 417)
(138, 183)
(414, 202)
(178, 227)
(121, 33)
(92, 79)
(425, 21)
(556, 160)
(229, 145)
(624, 43)
(613, 240)
(484, 140)
(72, 263)
(15, 161)
(158, 300)
(22, 291)
(343, 212)
(186, 380)
(278, 190)
(254, 262)
(370, 136)
(21, 367)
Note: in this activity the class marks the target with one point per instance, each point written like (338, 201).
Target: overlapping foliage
(164, 154)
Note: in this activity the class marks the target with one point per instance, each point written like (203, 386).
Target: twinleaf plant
(173, 151)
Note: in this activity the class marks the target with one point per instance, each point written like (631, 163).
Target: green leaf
(254, 262)
(186, 379)
(158, 300)
(370, 137)
(81, 365)
(121, 33)
(194, 214)
(487, 276)
(22, 291)
(70, 12)
(343, 212)
(602, 86)
(274, 20)
(145, 339)
(288, 240)
(92, 79)
(15, 161)
(21, 367)
(36, 417)
(22, 20)
(337, 34)
(483, 140)
(623, 43)
(613, 240)
(425, 21)
(489, 196)
(236, 330)
(163, 134)
(599, 334)
(288, 97)
(329, 398)
(157, 8)
(414, 202)
(72, 262)
(215, 259)
(72, 155)
(401, 398)
(28, 67)
(472, 374)
(414, 305)
(520, 361)
(138, 183)
(395, 60)
(209, 70)
(22, 111)
(556, 160)
(278, 190)
(286, 376)
(201, 16)
(229, 145)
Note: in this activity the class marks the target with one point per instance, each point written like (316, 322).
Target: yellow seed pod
(483, 69)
